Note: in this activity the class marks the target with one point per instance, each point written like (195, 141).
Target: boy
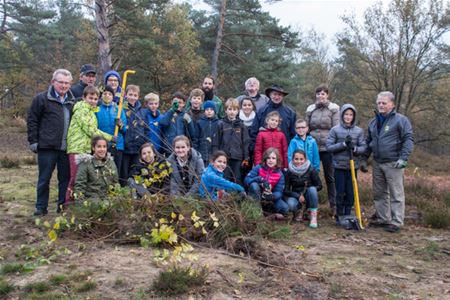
(153, 119)
(206, 130)
(342, 139)
(136, 133)
(196, 99)
(83, 127)
(107, 121)
(232, 138)
(303, 141)
(176, 122)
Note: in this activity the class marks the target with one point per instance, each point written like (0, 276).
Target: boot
(313, 217)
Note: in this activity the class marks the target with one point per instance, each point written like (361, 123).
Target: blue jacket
(105, 118)
(212, 181)
(309, 145)
(116, 98)
(174, 124)
(154, 130)
(137, 129)
(206, 130)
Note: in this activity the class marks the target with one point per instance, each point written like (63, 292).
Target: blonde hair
(232, 102)
(181, 138)
(197, 93)
(132, 87)
(151, 97)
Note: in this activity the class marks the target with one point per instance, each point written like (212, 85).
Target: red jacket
(270, 138)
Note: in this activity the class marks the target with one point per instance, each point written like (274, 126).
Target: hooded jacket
(268, 138)
(106, 116)
(232, 138)
(320, 119)
(153, 121)
(174, 124)
(48, 120)
(336, 138)
(195, 169)
(213, 181)
(83, 127)
(309, 145)
(116, 98)
(137, 128)
(296, 183)
(206, 131)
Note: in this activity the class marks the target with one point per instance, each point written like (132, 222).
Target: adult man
(48, 123)
(88, 75)
(251, 90)
(208, 86)
(390, 139)
(275, 94)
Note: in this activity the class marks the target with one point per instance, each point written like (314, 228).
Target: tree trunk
(215, 58)
(101, 21)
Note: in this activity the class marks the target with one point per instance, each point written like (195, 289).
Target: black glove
(118, 122)
(363, 166)
(348, 142)
(269, 197)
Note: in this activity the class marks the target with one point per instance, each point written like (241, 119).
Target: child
(206, 129)
(112, 78)
(176, 122)
(343, 138)
(187, 165)
(136, 133)
(213, 184)
(96, 173)
(107, 121)
(271, 137)
(265, 183)
(152, 174)
(153, 119)
(247, 112)
(303, 141)
(196, 100)
(232, 138)
(302, 184)
(83, 126)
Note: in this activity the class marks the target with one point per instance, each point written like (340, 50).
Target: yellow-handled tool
(124, 85)
(355, 192)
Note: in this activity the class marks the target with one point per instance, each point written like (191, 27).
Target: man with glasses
(47, 125)
(88, 76)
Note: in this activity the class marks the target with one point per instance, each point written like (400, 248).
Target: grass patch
(5, 288)
(58, 279)
(9, 162)
(38, 287)
(85, 286)
(179, 280)
(12, 268)
(119, 283)
(281, 233)
(47, 296)
(29, 160)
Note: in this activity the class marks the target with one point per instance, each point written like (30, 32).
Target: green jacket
(83, 127)
(95, 177)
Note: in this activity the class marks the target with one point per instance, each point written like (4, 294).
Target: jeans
(48, 159)
(328, 171)
(278, 206)
(286, 206)
(311, 198)
(344, 188)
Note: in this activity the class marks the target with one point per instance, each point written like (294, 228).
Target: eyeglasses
(113, 80)
(301, 127)
(63, 82)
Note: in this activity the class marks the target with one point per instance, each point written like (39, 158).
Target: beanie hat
(108, 88)
(209, 104)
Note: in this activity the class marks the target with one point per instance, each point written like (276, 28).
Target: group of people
(252, 145)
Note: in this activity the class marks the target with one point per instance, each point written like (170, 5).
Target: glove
(174, 106)
(34, 147)
(187, 118)
(114, 140)
(400, 164)
(269, 197)
(363, 166)
(244, 163)
(118, 122)
(348, 142)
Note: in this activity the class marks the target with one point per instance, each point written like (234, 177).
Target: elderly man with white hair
(252, 91)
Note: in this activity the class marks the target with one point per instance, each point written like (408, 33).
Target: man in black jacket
(47, 127)
(88, 75)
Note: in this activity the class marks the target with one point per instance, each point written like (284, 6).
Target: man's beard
(209, 94)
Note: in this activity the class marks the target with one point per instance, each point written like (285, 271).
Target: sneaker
(40, 212)
(391, 228)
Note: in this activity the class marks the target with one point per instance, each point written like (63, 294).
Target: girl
(187, 165)
(271, 137)
(247, 112)
(265, 183)
(151, 175)
(213, 184)
(302, 184)
(96, 172)
(342, 139)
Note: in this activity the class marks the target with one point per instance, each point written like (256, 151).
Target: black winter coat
(206, 131)
(296, 184)
(232, 138)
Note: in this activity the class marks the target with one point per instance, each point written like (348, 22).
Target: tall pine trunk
(101, 21)
(215, 58)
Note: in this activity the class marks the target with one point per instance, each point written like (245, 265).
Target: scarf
(299, 170)
(248, 121)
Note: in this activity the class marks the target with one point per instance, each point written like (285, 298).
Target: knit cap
(210, 104)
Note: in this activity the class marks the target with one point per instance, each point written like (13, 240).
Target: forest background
(171, 45)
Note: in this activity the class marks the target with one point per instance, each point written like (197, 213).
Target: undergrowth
(179, 280)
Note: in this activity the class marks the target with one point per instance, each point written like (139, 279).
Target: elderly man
(251, 91)
(390, 139)
(276, 95)
(88, 75)
(47, 124)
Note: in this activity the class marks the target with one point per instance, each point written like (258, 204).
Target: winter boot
(313, 217)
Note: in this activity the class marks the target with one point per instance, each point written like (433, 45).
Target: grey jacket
(336, 138)
(195, 166)
(390, 140)
(320, 120)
